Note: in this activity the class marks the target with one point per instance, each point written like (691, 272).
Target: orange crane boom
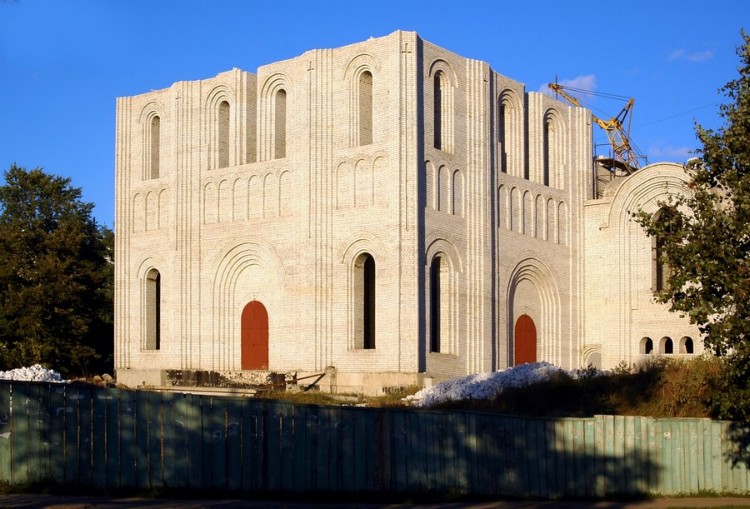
(626, 157)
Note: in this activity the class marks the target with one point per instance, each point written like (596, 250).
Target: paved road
(58, 502)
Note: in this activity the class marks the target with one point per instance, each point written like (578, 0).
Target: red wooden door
(525, 341)
(254, 336)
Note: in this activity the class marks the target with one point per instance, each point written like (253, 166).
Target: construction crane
(626, 157)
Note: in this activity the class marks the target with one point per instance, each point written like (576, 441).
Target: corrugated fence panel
(107, 438)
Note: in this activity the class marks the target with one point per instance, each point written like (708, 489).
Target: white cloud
(669, 153)
(698, 56)
(585, 82)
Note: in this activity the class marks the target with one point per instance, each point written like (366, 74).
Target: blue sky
(63, 62)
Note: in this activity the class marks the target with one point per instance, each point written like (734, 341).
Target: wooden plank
(359, 460)
(590, 457)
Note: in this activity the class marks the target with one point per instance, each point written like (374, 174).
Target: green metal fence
(109, 438)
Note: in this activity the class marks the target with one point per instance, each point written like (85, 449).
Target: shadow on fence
(112, 439)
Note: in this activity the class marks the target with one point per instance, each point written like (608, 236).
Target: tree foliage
(56, 275)
(705, 241)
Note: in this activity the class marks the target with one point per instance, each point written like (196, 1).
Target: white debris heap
(35, 373)
(485, 385)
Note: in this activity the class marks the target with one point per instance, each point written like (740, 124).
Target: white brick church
(387, 213)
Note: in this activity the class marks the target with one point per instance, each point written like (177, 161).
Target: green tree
(56, 276)
(705, 240)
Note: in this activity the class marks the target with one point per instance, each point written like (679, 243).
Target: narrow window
(365, 108)
(154, 146)
(153, 310)
(364, 302)
(369, 303)
(280, 125)
(223, 134)
(438, 110)
(502, 138)
(546, 154)
(435, 304)
(661, 271)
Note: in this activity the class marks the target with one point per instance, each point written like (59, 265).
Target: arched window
(222, 131)
(364, 302)
(667, 346)
(546, 150)
(661, 271)
(553, 151)
(154, 147)
(686, 345)
(153, 310)
(280, 124)
(435, 304)
(502, 137)
(440, 320)
(438, 110)
(457, 208)
(647, 345)
(365, 108)
(594, 360)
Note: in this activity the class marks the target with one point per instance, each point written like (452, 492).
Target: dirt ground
(27, 501)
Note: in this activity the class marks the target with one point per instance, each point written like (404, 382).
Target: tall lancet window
(365, 108)
(280, 124)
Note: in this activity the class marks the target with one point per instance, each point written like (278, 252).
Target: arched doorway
(525, 341)
(254, 336)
